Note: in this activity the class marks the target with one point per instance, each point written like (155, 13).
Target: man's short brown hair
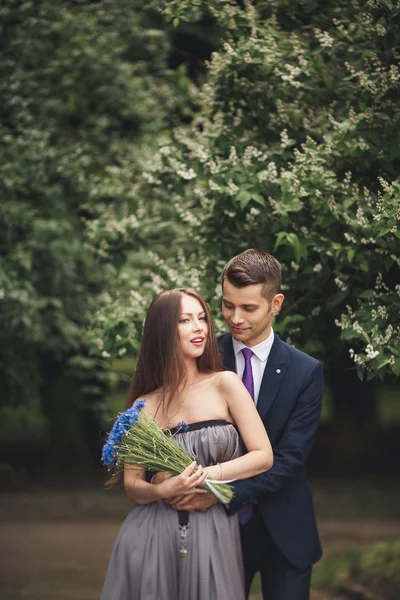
(254, 267)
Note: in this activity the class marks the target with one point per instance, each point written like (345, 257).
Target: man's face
(247, 313)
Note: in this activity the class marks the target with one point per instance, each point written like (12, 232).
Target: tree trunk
(357, 433)
(61, 401)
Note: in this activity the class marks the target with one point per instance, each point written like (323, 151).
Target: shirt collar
(261, 350)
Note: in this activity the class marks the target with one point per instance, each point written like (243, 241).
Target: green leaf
(384, 231)
(290, 319)
(295, 243)
(361, 372)
(279, 238)
(348, 334)
(292, 239)
(176, 22)
(382, 362)
(258, 198)
(244, 198)
(396, 367)
(368, 294)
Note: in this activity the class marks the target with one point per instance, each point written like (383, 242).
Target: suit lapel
(274, 373)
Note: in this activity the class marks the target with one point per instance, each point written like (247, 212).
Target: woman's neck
(192, 371)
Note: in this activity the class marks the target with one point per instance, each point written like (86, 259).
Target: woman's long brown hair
(161, 361)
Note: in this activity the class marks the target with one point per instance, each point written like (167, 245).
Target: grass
(373, 569)
(56, 543)
(363, 498)
(364, 501)
(332, 573)
(123, 366)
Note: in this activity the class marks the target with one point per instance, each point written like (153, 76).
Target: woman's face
(192, 327)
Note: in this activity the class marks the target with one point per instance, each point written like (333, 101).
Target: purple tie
(246, 512)
(248, 371)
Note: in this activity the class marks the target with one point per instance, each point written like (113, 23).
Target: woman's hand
(175, 501)
(183, 484)
(214, 472)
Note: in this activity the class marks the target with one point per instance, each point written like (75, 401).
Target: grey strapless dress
(146, 564)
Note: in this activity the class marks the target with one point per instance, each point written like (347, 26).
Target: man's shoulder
(224, 338)
(298, 356)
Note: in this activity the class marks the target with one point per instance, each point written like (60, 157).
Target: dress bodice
(210, 442)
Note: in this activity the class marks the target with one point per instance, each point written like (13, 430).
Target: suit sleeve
(293, 449)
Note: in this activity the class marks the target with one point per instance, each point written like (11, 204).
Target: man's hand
(176, 501)
(199, 500)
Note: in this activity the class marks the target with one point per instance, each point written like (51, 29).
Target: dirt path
(67, 560)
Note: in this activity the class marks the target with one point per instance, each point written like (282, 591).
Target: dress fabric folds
(145, 563)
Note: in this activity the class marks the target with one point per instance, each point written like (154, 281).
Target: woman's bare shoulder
(228, 379)
(152, 401)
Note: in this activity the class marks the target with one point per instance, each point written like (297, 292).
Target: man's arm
(293, 448)
(290, 454)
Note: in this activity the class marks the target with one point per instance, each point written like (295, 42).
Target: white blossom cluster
(237, 177)
(324, 38)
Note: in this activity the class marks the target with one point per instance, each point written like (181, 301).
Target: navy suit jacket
(289, 405)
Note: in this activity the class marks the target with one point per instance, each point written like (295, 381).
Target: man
(279, 533)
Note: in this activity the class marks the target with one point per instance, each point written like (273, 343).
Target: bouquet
(136, 439)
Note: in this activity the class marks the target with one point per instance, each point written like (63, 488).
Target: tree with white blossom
(294, 150)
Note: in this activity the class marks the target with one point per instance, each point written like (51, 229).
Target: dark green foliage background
(141, 146)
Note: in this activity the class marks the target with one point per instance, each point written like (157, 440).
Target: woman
(179, 373)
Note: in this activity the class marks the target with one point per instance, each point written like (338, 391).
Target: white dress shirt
(258, 360)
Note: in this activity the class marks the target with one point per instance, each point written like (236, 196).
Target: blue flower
(122, 425)
(107, 455)
(182, 425)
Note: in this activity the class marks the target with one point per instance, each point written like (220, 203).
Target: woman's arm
(259, 457)
(141, 492)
